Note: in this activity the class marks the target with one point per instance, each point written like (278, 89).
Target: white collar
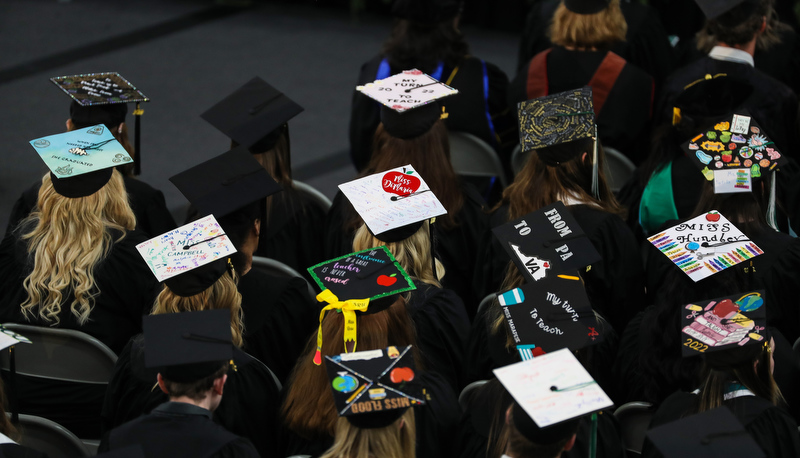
(5, 439)
(731, 55)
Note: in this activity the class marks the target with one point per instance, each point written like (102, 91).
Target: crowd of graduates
(266, 373)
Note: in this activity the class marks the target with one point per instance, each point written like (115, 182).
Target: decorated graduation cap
(586, 6)
(426, 12)
(546, 242)
(713, 433)
(393, 204)
(409, 102)
(373, 388)
(705, 245)
(549, 315)
(225, 183)
(191, 258)
(559, 119)
(551, 393)
(81, 161)
(253, 115)
(102, 98)
(366, 281)
(9, 338)
(724, 323)
(188, 346)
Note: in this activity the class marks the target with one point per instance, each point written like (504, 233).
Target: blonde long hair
(70, 236)
(223, 294)
(413, 253)
(586, 31)
(393, 441)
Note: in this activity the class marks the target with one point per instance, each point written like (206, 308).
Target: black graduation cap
(586, 6)
(427, 12)
(253, 115)
(188, 346)
(102, 98)
(710, 97)
(197, 280)
(225, 183)
(550, 314)
(724, 323)
(556, 119)
(546, 242)
(713, 9)
(373, 388)
(714, 433)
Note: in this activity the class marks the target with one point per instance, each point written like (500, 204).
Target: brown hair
(413, 45)
(585, 31)
(194, 390)
(429, 154)
(308, 408)
(539, 184)
(747, 27)
(393, 441)
(519, 445)
(6, 427)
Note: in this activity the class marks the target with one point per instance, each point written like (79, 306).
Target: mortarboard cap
(393, 204)
(705, 245)
(9, 338)
(373, 388)
(550, 314)
(190, 258)
(81, 161)
(409, 102)
(366, 281)
(714, 433)
(110, 115)
(724, 323)
(546, 242)
(732, 152)
(225, 183)
(586, 6)
(718, 9)
(554, 120)
(253, 115)
(188, 346)
(426, 12)
(705, 100)
(551, 389)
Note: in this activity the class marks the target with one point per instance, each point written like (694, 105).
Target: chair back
(277, 268)
(49, 437)
(312, 193)
(518, 159)
(471, 156)
(634, 420)
(60, 354)
(463, 398)
(618, 169)
(274, 377)
(485, 303)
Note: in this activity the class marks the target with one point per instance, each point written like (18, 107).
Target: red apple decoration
(713, 216)
(387, 280)
(401, 374)
(726, 157)
(400, 183)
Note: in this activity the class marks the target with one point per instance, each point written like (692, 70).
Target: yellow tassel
(676, 116)
(444, 114)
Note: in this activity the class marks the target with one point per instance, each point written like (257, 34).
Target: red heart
(546, 264)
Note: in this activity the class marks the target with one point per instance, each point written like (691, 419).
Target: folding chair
(618, 168)
(634, 419)
(49, 437)
(311, 192)
(463, 398)
(472, 157)
(485, 303)
(275, 267)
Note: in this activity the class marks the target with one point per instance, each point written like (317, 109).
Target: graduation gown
(455, 248)
(436, 423)
(614, 285)
(279, 317)
(623, 120)
(12, 450)
(249, 406)
(646, 43)
(177, 429)
(771, 428)
(148, 204)
(480, 107)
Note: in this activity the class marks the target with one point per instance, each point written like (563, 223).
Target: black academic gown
(614, 285)
(646, 43)
(127, 291)
(436, 423)
(623, 121)
(279, 317)
(771, 428)
(479, 108)
(455, 248)
(249, 406)
(148, 204)
(177, 429)
(18, 451)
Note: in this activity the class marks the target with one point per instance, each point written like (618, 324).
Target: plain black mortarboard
(188, 346)
(586, 6)
(426, 12)
(546, 242)
(373, 388)
(197, 280)
(724, 323)
(225, 183)
(714, 9)
(715, 433)
(710, 97)
(253, 115)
